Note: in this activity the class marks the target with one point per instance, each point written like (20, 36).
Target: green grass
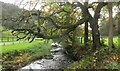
(29, 52)
(115, 40)
(20, 46)
(40, 50)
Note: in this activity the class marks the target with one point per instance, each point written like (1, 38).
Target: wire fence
(8, 39)
(13, 40)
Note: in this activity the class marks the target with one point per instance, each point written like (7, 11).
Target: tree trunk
(86, 34)
(95, 34)
(110, 39)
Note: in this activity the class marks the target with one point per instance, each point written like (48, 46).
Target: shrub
(102, 58)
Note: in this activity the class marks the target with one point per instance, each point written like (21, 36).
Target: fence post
(13, 43)
(2, 39)
(81, 40)
(12, 39)
(7, 39)
(4, 43)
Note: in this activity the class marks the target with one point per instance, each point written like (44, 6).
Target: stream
(58, 61)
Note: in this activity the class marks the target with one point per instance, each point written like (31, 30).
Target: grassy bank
(17, 56)
(101, 58)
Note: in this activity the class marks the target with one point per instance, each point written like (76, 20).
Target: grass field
(20, 46)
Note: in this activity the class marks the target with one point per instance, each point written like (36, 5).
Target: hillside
(8, 11)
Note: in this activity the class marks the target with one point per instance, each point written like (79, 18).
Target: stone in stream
(54, 60)
(39, 63)
(56, 45)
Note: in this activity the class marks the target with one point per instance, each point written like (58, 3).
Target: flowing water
(58, 61)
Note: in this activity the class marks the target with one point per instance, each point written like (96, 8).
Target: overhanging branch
(98, 9)
(81, 21)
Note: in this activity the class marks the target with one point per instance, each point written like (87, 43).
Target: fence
(8, 39)
(82, 39)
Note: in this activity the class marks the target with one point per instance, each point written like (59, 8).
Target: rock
(55, 45)
(39, 63)
(55, 50)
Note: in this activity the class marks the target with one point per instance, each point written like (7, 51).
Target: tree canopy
(59, 20)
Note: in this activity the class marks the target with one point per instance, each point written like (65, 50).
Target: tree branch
(98, 9)
(81, 21)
